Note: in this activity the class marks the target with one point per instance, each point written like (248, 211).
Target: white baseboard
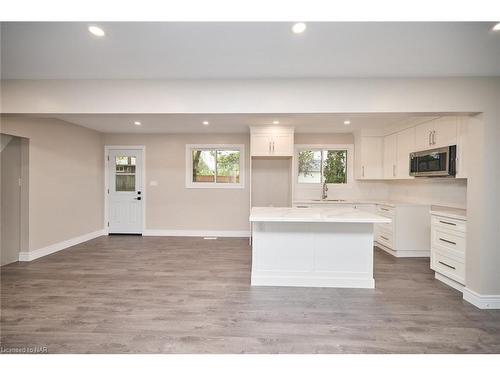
(322, 282)
(196, 233)
(27, 256)
(483, 301)
(446, 280)
(405, 253)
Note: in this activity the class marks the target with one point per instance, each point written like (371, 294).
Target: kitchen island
(313, 246)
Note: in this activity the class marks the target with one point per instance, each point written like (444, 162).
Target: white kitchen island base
(313, 254)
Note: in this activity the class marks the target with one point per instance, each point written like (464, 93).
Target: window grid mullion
(216, 154)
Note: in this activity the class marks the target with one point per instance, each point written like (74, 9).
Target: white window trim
(212, 185)
(318, 147)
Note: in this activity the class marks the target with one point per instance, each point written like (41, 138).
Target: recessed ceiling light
(347, 122)
(97, 31)
(299, 27)
(496, 27)
(206, 123)
(276, 122)
(137, 123)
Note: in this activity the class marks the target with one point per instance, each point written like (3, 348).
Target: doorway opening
(14, 162)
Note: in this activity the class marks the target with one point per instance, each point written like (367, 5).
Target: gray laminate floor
(125, 294)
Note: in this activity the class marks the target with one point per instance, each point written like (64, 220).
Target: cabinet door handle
(433, 137)
(273, 146)
(384, 209)
(385, 238)
(393, 171)
(269, 146)
(446, 222)
(447, 265)
(430, 138)
(363, 171)
(447, 241)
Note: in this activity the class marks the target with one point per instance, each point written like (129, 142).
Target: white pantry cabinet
(390, 156)
(437, 133)
(368, 162)
(271, 141)
(405, 145)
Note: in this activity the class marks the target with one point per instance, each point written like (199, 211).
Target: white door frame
(107, 148)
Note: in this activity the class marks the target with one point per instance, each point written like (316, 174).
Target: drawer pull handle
(446, 222)
(385, 238)
(447, 241)
(384, 209)
(447, 265)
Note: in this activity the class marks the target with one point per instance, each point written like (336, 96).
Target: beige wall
(271, 182)
(65, 179)
(170, 205)
(10, 242)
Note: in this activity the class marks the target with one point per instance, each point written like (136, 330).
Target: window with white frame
(318, 164)
(215, 166)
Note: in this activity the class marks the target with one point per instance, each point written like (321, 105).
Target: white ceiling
(66, 50)
(234, 123)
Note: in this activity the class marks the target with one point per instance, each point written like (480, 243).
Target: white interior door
(126, 193)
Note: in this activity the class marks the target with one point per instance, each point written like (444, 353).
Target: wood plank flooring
(128, 294)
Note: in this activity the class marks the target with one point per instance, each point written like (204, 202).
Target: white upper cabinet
(390, 156)
(436, 133)
(405, 145)
(368, 160)
(282, 144)
(423, 136)
(271, 141)
(397, 149)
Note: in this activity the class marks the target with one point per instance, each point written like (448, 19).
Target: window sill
(201, 185)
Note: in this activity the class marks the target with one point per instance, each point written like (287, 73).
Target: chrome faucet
(324, 191)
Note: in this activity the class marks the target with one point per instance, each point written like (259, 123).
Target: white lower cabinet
(448, 250)
(408, 233)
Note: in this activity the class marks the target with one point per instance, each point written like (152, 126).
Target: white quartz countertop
(319, 214)
(391, 203)
(451, 212)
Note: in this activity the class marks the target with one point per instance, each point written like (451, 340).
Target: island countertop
(315, 215)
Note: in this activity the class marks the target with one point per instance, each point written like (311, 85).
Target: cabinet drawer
(386, 227)
(386, 211)
(385, 238)
(448, 223)
(449, 267)
(452, 242)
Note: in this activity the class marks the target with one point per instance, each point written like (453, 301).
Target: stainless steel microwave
(438, 162)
